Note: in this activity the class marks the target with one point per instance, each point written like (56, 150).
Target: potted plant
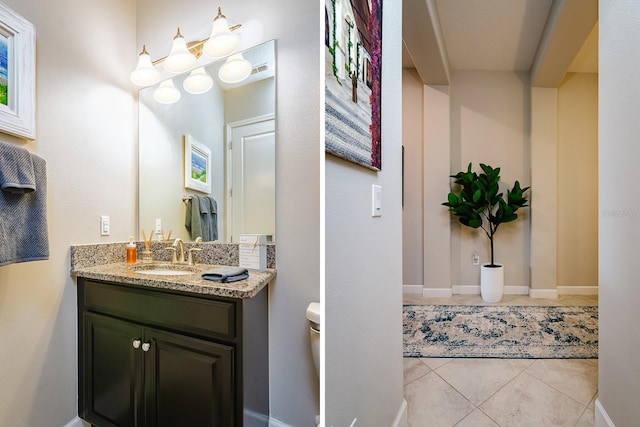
(479, 204)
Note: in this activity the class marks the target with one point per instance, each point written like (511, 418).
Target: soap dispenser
(131, 251)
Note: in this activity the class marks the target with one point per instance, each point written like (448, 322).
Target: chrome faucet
(179, 245)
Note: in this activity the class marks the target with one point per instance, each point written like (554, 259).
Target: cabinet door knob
(146, 346)
(136, 343)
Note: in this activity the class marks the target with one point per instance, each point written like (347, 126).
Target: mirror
(224, 139)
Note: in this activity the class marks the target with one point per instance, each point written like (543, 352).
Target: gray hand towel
(16, 169)
(23, 221)
(192, 218)
(226, 274)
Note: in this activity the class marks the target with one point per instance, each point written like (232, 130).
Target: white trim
(577, 290)
(475, 290)
(601, 417)
(437, 292)
(412, 289)
(401, 419)
(277, 423)
(543, 293)
(75, 422)
(19, 116)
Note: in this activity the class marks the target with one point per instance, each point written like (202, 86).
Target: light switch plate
(105, 225)
(376, 200)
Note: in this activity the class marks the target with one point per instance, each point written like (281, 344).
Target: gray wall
(619, 209)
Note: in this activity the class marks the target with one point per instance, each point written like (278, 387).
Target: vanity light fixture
(180, 59)
(222, 42)
(198, 82)
(235, 69)
(145, 74)
(166, 93)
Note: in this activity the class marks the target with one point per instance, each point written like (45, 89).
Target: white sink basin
(165, 269)
(162, 272)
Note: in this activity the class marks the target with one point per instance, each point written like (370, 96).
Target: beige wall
(86, 132)
(543, 193)
(578, 180)
(363, 267)
(490, 123)
(412, 214)
(619, 214)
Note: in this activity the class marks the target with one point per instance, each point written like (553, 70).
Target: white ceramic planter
(492, 282)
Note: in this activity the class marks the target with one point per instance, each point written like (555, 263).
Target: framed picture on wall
(17, 75)
(353, 46)
(197, 165)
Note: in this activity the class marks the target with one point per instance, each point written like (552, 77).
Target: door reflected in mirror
(235, 124)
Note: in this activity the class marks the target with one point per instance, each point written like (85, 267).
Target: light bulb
(145, 73)
(198, 81)
(180, 59)
(166, 93)
(235, 70)
(222, 41)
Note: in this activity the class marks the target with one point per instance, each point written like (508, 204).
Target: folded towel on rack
(226, 274)
(16, 169)
(23, 221)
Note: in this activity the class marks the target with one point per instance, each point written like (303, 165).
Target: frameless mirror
(218, 145)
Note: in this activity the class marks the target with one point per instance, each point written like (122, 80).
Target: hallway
(500, 392)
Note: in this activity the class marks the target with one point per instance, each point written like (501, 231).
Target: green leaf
(453, 199)
(475, 223)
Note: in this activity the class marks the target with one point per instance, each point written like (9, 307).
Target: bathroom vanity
(171, 350)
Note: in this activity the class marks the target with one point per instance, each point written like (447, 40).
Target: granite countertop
(126, 273)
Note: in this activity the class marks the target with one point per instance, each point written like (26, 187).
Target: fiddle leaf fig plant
(478, 203)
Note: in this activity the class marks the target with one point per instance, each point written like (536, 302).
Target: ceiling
(500, 35)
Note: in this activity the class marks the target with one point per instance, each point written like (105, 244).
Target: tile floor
(500, 392)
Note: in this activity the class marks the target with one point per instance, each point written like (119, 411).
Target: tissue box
(253, 251)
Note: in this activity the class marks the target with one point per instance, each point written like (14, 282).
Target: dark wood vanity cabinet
(149, 357)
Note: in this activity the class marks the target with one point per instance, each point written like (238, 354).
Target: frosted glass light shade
(166, 93)
(198, 82)
(222, 41)
(145, 73)
(180, 59)
(235, 70)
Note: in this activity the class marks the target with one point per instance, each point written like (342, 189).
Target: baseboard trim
(601, 417)
(475, 290)
(437, 292)
(412, 289)
(577, 290)
(401, 419)
(543, 293)
(75, 422)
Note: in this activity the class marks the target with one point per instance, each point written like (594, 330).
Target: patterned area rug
(520, 332)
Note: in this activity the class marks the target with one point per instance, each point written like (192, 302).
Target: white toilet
(313, 315)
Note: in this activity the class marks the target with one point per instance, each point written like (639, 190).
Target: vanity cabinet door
(110, 372)
(191, 381)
